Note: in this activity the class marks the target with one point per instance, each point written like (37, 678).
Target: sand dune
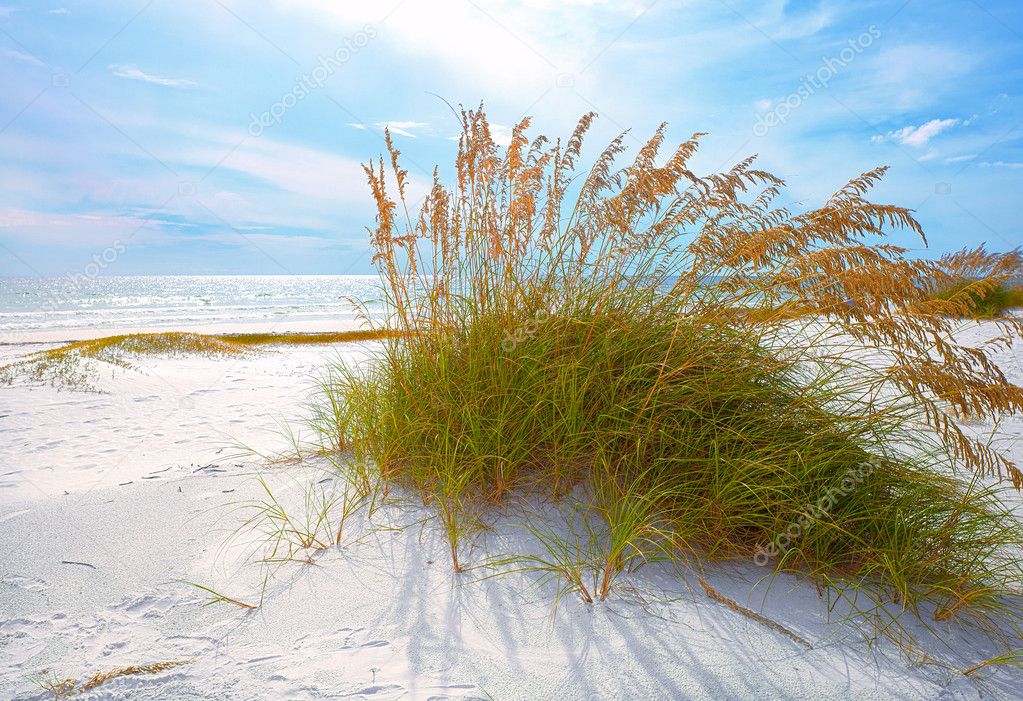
(107, 500)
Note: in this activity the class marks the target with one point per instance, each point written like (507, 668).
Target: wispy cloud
(919, 136)
(1015, 165)
(632, 61)
(500, 133)
(23, 57)
(76, 230)
(792, 25)
(132, 72)
(305, 171)
(403, 127)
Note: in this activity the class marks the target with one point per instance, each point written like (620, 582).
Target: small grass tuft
(68, 687)
(52, 683)
(216, 597)
(1011, 658)
(155, 668)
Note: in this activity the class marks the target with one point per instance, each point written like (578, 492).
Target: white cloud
(795, 26)
(276, 244)
(59, 11)
(500, 133)
(915, 76)
(1002, 164)
(919, 136)
(99, 229)
(298, 169)
(402, 127)
(23, 57)
(960, 159)
(519, 47)
(88, 229)
(132, 72)
(907, 65)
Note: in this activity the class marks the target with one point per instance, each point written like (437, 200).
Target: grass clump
(629, 336)
(997, 302)
(977, 284)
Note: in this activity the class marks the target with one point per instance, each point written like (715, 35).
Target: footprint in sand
(25, 583)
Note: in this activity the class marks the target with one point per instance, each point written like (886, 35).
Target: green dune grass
(632, 348)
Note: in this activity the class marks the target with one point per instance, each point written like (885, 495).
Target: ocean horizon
(66, 307)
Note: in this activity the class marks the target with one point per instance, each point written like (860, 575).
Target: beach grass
(67, 366)
(255, 340)
(977, 284)
(69, 687)
(704, 374)
(987, 304)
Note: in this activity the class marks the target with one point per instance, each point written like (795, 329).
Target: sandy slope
(114, 481)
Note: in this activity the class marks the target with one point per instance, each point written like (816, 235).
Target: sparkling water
(68, 306)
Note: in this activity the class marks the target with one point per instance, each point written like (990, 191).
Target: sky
(226, 136)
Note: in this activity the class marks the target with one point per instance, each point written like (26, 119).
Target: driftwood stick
(73, 562)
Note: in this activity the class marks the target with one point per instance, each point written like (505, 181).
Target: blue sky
(225, 136)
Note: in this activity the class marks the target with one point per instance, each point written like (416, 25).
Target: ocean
(69, 308)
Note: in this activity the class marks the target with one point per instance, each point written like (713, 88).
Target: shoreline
(53, 336)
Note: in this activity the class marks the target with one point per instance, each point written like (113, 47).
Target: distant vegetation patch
(74, 366)
(977, 284)
(983, 303)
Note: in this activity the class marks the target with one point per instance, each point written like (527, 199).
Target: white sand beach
(109, 501)
(587, 350)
